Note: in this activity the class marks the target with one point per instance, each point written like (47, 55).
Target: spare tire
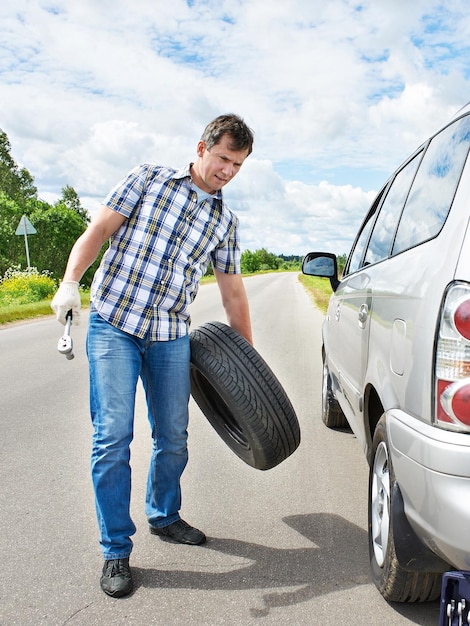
(241, 397)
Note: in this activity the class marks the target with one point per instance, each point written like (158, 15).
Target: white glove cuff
(69, 286)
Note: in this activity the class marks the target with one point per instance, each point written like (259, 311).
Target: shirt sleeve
(226, 257)
(125, 196)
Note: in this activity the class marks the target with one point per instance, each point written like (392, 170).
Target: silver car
(396, 364)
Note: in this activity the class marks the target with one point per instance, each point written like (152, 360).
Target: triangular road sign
(25, 227)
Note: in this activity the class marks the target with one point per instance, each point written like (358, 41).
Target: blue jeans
(116, 361)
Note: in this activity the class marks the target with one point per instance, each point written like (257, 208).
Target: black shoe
(116, 579)
(181, 532)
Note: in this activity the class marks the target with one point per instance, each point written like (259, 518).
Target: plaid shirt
(151, 271)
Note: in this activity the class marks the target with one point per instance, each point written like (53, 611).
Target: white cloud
(338, 93)
(293, 217)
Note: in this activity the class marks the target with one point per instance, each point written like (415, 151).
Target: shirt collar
(185, 172)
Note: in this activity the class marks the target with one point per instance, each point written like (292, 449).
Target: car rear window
(434, 187)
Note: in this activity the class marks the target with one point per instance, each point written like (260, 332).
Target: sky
(338, 94)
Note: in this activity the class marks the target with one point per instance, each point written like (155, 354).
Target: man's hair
(241, 136)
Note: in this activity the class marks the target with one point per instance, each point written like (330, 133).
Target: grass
(318, 288)
(19, 312)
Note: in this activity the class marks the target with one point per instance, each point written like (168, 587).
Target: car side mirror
(323, 264)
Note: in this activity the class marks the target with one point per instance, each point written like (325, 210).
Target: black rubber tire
(241, 397)
(394, 582)
(331, 411)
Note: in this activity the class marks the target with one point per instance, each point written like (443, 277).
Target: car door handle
(363, 314)
(337, 311)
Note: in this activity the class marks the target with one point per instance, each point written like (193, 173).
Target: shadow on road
(338, 560)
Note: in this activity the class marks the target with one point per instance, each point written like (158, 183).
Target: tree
(11, 246)
(58, 227)
(341, 260)
(258, 261)
(17, 190)
(249, 263)
(16, 182)
(71, 200)
(267, 260)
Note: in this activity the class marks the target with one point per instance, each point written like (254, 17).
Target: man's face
(218, 165)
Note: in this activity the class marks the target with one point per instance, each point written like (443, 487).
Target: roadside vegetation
(319, 290)
(26, 296)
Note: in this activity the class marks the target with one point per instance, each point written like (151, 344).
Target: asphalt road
(287, 546)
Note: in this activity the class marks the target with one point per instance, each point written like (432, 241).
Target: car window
(355, 257)
(381, 240)
(434, 187)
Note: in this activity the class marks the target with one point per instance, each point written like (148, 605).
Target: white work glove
(67, 297)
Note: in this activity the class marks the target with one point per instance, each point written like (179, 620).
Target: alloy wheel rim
(380, 503)
(324, 394)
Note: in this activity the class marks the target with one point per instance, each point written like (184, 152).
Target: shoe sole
(119, 593)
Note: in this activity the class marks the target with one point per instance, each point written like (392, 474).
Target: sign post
(25, 228)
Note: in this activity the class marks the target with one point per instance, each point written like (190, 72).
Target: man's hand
(67, 297)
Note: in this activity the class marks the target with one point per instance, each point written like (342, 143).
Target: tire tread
(242, 375)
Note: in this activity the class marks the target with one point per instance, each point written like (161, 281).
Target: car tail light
(452, 364)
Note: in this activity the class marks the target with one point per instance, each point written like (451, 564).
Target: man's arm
(235, 302)
(88, 245)
(82, 255)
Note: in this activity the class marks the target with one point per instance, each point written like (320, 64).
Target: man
(164, 227)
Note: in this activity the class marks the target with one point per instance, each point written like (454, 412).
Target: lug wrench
(65, 345)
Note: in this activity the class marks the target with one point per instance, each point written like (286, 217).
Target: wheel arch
(373, 411)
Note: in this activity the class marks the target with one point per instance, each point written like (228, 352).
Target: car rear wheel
(332, 413)
(394, 582)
